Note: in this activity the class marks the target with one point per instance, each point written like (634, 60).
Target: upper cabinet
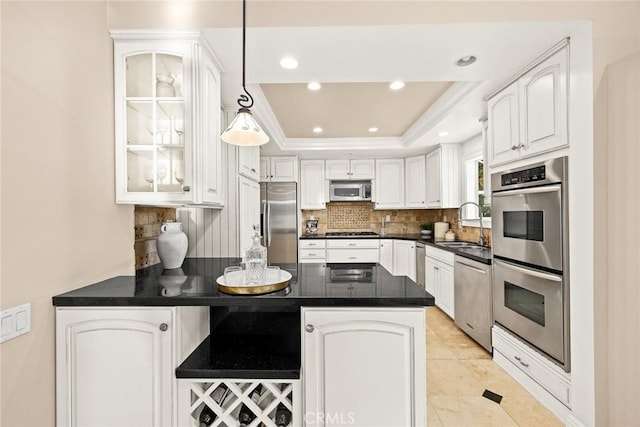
(530, 115)
(350, 169)
(279, 169)
(312, 183)
(389, 185)
(443, 177)
(415, 182)
(167, 120)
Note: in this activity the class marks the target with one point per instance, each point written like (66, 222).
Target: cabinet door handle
(312, 254)
(469, 325)
(526, 365)
(186, 188)
(163, 327)
(311, 244)
(353, 257)
(309, 328)
(515, 147)
(253, 170)
(352, 244)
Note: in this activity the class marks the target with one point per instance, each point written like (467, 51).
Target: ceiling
(355, 65)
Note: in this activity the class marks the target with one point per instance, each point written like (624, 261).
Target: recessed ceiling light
(466, 60)
(289, 63)
(314, 86)
(317, 129)
(443, 133)
(396, 85)
(373, 129)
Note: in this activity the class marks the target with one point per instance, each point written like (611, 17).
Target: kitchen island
(342, 342)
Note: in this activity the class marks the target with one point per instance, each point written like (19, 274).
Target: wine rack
(226, 413)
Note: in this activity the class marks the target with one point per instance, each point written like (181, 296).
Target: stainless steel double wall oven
(531, 256)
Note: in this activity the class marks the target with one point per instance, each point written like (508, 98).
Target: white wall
(60, 226)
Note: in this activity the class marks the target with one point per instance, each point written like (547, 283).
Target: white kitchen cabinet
(366, 365)
(541, 377)
(350, 169)
(312, 184)
(389, 186)
(167, 120)
(415, 182)
(312, 251)
(279, 169)
(439, 278)
(443, 177)
(353, 250)
(115, 366)
(530, 116)
(504, 126)
(248, 211)
(249, 162)
(404, 258)
(386, 254)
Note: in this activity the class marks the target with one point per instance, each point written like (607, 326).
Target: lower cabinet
(386, 254)
(353, 250)
(115, 366)
(439, 279)
(404, 258)
(364, 367)
(312, 251)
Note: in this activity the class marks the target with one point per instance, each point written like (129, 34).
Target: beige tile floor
(458, 372)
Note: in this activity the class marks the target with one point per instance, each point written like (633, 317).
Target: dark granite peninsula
(178, 343)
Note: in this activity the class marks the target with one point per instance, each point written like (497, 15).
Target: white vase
(172, 245)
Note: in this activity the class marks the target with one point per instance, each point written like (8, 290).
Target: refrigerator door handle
(267, 240)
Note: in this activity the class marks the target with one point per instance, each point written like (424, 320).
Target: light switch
(15, 321)
(7, 324)
(21, 320)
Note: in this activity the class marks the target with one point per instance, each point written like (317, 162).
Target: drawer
(439, 254)
(312, 243)
(312, 253)
(353, 255)
(544, 372)
(354, 243)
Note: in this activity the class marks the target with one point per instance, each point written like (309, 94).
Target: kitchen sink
(458, 245)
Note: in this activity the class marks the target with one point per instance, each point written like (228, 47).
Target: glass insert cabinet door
(154, 106)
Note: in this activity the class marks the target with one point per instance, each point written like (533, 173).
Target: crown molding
(439, 110)
(265, 116)
(135, 35)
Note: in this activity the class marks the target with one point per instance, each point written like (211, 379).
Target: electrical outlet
(387, 218)
(15, 321)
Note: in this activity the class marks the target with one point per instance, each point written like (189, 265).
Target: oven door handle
(526, 271)
(531, 190)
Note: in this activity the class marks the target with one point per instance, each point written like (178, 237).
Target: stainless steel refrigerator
(279, 221)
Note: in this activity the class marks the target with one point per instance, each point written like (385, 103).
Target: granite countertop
(480, 254)
(195, 285)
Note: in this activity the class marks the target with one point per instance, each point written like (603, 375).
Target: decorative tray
(236, 286)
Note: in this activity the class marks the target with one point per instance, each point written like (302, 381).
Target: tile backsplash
(147, 229)
(346, 216)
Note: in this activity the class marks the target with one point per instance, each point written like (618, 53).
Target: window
(474, 191)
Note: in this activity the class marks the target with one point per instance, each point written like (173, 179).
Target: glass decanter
(255, 260)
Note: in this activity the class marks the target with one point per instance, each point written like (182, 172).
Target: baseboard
(572, 421)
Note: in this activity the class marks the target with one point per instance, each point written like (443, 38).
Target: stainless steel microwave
(350, 191)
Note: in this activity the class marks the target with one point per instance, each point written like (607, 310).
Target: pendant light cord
(244, 101)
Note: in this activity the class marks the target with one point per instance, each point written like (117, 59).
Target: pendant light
(244, 130)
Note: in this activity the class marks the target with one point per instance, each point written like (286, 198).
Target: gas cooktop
(351, 234)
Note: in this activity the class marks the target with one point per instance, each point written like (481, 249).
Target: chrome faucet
(481, 241)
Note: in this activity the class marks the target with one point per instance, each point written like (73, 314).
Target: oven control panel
(524, 176)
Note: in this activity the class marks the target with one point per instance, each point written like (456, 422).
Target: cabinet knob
(186, 188)
(309, 328)
(514, 147)
(253, 170)
(163, 327)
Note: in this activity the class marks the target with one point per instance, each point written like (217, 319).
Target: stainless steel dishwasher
(420, 255)
(473, 299)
